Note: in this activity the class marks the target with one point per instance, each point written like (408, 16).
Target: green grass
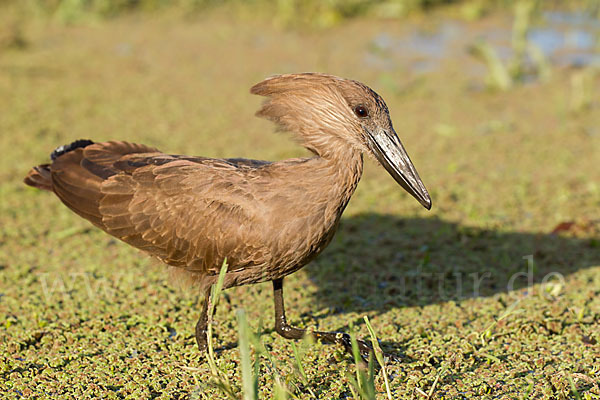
(305, 13)
(519, 68)
(284, 13)
(84, 315)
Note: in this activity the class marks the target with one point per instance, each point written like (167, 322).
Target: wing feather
(187, 211)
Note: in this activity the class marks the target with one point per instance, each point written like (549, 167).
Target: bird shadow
(378, 262)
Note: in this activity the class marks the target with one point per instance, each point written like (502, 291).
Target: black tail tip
(59, 151)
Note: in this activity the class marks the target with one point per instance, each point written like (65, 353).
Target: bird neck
(328, 144)
(343, 169)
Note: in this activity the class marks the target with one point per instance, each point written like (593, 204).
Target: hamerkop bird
(268, 219)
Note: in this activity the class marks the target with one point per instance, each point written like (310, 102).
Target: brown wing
(77, 175)
(188, 211)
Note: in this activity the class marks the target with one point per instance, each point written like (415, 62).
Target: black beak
(388, 150)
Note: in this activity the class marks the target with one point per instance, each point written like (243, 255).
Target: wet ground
(492, 294)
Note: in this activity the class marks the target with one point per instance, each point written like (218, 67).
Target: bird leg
(289, 332)
(202, 324)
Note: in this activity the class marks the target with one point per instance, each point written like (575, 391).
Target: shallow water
(567, 39)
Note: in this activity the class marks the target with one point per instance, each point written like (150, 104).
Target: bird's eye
(361, 111)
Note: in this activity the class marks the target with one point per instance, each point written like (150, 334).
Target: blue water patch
(566, 38)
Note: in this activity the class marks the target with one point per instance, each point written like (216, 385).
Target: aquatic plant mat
(495, 293)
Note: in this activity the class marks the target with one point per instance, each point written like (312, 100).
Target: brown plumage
(267, 218)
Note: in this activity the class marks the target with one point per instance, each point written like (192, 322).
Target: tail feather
(40, 177)
(59, 151)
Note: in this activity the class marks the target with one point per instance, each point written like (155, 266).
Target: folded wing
(190, 212)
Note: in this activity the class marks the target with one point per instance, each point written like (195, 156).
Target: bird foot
(364, 348)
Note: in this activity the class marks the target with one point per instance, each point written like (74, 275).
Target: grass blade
(379, 357)
(222, 382)
(249, 378)
(364, 383)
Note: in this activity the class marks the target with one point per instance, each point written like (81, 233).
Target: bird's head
(330, 113)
